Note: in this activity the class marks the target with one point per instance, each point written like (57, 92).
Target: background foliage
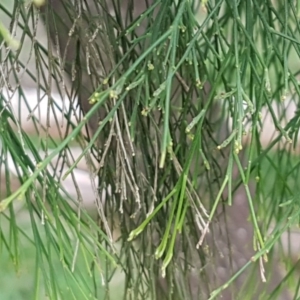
(186, 114)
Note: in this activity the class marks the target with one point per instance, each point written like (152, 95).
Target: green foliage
(180, 89)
